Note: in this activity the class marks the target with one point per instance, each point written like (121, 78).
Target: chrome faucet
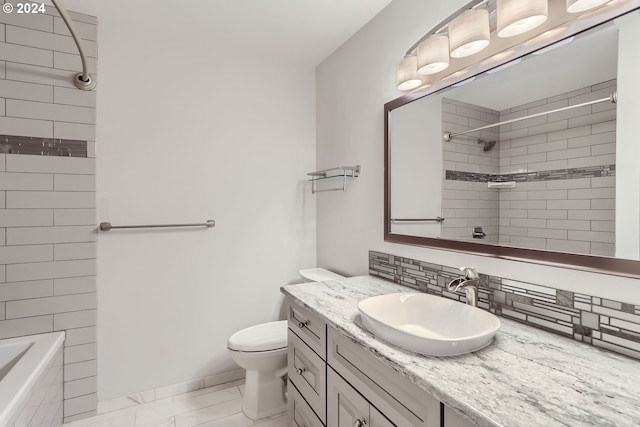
(469, 283)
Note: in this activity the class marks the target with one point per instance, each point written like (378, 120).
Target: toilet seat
(260, 338)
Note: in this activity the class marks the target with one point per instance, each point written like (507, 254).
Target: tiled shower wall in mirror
(469, 203)
(47, 194)
(603, 323)
(563, 165)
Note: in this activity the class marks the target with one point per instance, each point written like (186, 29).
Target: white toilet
(262, 351)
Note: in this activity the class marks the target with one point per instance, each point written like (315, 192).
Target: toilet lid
(263, 337)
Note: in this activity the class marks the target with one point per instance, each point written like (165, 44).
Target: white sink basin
(428, 324)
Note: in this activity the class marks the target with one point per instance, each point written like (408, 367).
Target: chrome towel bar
(106, 226)
(438, 219)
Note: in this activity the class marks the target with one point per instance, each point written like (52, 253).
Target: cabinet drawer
(401, 401)
(300, 414)
(308, 373)
(346, 407)
(309, 328)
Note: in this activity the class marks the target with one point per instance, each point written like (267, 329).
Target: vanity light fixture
(433, 55)
(457, 75)
(407, 73)
(546, 36)
(554, 46)
(469, 33)
(498, 57)
(482, 23)
(576, 6)
(519, 16)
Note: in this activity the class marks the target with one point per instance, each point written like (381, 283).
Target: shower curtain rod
(613, 98)
(83, 80)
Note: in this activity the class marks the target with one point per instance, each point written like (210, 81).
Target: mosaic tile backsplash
(11, 144)
(611, 325)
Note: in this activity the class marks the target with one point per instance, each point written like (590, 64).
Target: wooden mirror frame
(589, 263)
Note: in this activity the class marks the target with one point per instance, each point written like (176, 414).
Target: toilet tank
(319, 275)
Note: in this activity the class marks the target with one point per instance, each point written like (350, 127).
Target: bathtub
(31, 380)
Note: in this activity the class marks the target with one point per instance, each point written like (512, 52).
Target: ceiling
(304, 31)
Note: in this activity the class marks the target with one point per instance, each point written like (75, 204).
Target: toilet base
(264, 395)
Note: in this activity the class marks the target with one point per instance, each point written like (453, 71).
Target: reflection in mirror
(541, 181)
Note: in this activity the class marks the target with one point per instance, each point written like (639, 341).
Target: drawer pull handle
(303, 324)
(360, 423)
(300, 371)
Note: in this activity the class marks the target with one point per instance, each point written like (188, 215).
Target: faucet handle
(470, 273)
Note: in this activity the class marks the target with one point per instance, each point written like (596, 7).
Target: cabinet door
(300, 414)
(377, 419)
(345, 406)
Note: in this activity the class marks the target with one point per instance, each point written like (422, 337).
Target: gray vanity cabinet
(307, 368)
(347, 407)
(335, 382)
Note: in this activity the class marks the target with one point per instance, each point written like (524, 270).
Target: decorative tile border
(612, 325)
(572, 173)
(11, 144)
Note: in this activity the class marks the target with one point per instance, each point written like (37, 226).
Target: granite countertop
(526, 377)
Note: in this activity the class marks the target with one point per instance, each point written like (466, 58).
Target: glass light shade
(575, 6)
(469, 33)
(407, 73)
(519, 16)
(433, 55)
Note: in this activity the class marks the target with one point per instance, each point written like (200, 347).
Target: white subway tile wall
(564, 166)
(580, 138)
(469, 204)
(47, 203)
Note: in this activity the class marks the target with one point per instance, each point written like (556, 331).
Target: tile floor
(217, 406)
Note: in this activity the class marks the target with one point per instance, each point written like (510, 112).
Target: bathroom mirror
(558, 183)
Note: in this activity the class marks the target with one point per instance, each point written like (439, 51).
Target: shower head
(488, 145)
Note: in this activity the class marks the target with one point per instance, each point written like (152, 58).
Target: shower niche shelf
(345, 173)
